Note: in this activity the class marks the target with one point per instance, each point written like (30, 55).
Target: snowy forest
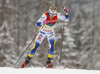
(80, 49)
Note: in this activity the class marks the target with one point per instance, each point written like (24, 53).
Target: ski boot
(26, 62)
(49, 64)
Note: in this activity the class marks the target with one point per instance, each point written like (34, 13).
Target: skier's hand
(66, 9)
(44, 22)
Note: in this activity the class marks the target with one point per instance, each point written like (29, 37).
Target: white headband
(52, 11)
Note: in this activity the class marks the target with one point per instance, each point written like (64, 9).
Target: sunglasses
(52, 14)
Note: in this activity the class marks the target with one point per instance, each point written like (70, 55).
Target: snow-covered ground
(8, 70)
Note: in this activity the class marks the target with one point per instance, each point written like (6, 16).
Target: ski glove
(44, 22)
(66, 9)
(38, 24)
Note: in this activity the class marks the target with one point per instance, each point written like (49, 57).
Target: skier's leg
(51, 40)
(37, 43)
(51, 48)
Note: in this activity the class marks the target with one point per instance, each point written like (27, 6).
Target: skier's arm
(40, 20)
(63, 17)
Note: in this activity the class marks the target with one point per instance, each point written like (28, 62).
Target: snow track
(32, 70)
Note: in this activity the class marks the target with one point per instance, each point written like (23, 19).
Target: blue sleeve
(38, 24)
(67, 17)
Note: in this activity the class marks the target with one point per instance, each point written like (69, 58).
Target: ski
(40, 68)
(57, 68)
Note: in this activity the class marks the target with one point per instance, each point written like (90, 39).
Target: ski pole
(27, 47)
(62, 43)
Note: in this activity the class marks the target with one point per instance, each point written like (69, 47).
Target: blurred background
(81, 45)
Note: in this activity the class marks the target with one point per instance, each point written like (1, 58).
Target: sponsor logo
(51, 35)
(39, 37)
(42, 32)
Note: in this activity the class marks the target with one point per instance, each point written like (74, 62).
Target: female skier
(47, 23)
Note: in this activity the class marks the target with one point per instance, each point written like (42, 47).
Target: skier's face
(52, 13)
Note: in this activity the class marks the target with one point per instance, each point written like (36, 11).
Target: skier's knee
(32, 52)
